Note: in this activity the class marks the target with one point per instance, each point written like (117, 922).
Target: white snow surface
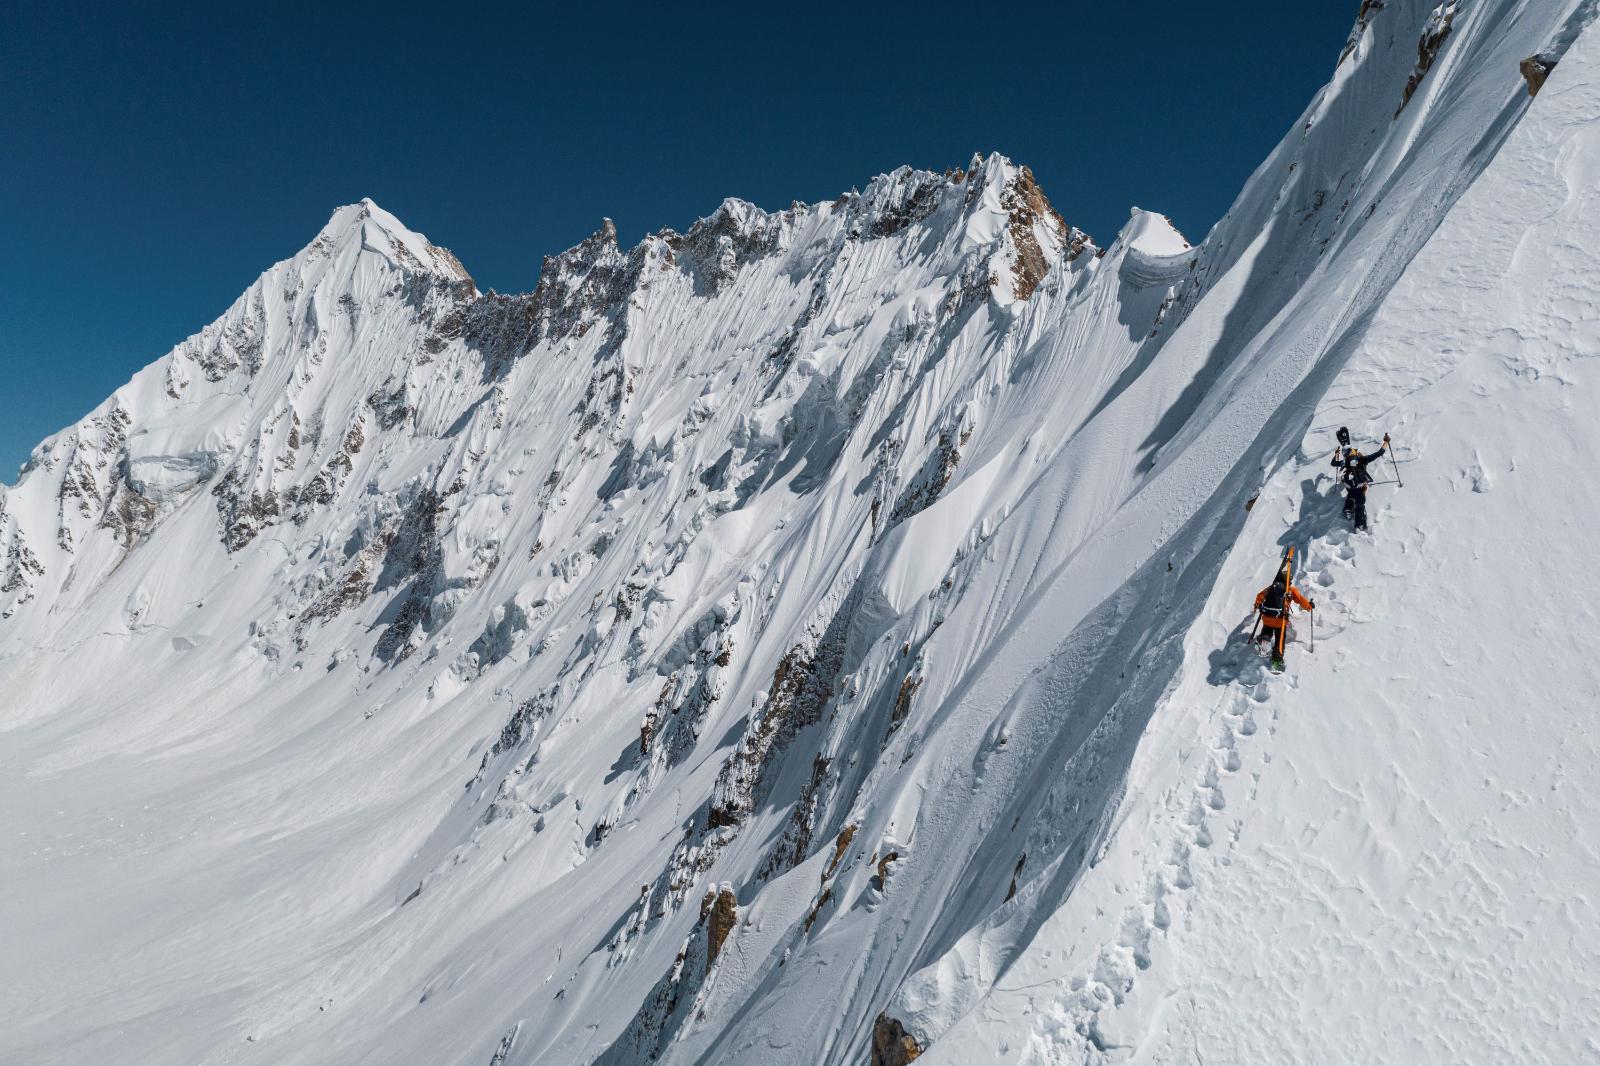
(395, 672)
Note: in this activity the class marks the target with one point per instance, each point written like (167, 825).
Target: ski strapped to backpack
(1279, 590)
(1276, 605)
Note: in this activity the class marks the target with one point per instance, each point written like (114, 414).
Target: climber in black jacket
(1352, 466)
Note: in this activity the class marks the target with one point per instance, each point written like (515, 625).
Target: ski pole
(1394, 464)
(1313, 613)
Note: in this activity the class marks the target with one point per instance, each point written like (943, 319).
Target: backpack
(1272, 606)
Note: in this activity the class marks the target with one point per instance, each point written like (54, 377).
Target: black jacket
(1353, 468)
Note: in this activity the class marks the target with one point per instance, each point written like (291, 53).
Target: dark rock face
(503, 1051)
(794, 844)
(929, 482)
(802, 685)
(721, 912)
(1428, 46)
(716, 247)
(891, 1044)
(674, 721)
(243, 514)
(414, 561)
(909, 202)
(1369, 8)
(1535, 69)
(577, 290)
(1026, 204)
(221, 349)
(324, 486)
(21, 567)
(664, 1012)
(129, 516)
(389, 405)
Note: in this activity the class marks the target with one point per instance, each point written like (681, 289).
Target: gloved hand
(1313, 604)
(1386, 438)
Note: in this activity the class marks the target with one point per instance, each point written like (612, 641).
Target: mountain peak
(1153, 234)
(365, 226)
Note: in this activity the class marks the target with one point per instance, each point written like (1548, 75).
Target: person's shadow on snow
(1320, 514)
(1229, 662)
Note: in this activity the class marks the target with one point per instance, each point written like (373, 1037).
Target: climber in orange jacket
(1272, 604)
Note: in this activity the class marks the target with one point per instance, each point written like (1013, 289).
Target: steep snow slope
(812, 631)
(1388, 854)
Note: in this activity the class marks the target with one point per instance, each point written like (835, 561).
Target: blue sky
(156, 158)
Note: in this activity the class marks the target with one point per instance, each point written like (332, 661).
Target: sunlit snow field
(831, 623)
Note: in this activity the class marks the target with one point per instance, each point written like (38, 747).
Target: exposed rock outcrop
(891, 1044)
(801, 687)
(21, 568)
(1433, 38)
(1027, 207)
(1369, 8)
(720, 911)
(1535, 69)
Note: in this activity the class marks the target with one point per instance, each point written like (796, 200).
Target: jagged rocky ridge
(691, 658)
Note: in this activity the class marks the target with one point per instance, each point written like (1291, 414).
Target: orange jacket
(1293, 597)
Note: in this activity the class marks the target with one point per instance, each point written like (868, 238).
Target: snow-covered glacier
(818, 637)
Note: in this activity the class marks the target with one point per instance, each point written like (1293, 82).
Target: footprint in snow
(1182, 878)
(1227, 749)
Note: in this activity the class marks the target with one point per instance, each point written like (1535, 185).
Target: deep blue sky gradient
(155, 158)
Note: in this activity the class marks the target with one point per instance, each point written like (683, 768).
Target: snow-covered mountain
(817, 637)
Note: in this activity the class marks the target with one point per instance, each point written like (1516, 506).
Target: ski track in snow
(829, 624)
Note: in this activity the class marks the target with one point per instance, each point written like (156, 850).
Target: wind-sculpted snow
(813, 637)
